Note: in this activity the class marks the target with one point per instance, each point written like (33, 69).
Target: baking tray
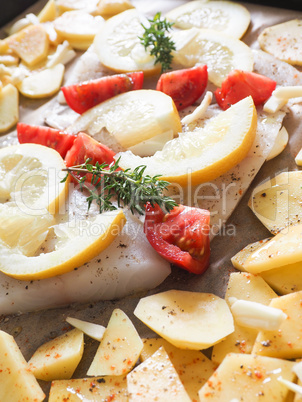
(32, 329)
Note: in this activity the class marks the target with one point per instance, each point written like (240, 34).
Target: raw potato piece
(99, 389)
(283, 249)
(17, 383)
(88, 6)
(192, 366)
(282, 41)
(243, 286)
(31, 44)
(48, 12)
(276, 202)
(286, 342)
(119, 349)
(113, 7)
(224, 16)
(188, 320)
(248, 378)
(43, 83)
(9, 107)
(58, 358)
(156, 380)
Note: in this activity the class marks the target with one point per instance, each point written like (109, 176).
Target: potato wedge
(119, 349)
(188, 320)
(276, 202)
(243, 286)
(281, 41)
(192, 366)
(248, 378)
(108, 8)
(98, 389)
(156, 380)
(58, 358)
(17, 383)
(9, 107)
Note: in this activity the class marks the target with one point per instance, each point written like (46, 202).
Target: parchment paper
(31, 330)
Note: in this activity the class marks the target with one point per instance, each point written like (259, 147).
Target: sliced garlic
(297, 369)
(63, 54)
(256, 315)
(94, 331)
(273, 104)
(200, 110)
(298, 158)
(290, 385)
(288, 92)
(280, 143)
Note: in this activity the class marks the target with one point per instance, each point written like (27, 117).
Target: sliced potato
(238, 260)
(281, 41)
(156, 380)
(286, 342)
(119, 349)
(43, 83)
(30, 44)
(188, 320)
(248, 378)
(108, 8)
(276, 202)
(243, 286)
(92, 330)
(17, 383)
(9, 107)
(58, 358)
(88, 6)
(192, 366)
(78, 25)
(48, 12)
(80, 44)
(98, 389)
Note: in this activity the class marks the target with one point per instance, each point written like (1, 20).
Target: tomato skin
(181, 236)
(184, 86)
(47, 136)
(85, 147)
(240, 84)
(83, 96)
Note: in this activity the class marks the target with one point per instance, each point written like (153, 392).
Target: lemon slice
(203, 155)
(30, 176)
(118, 46)
(72, 244)
(220, 52)
(131, 117)
(224, 16)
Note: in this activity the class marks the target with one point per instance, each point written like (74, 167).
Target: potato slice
(108, 8)
(188, 320)
(238, 260)
(243, 286)
(286, 342)
(98, 389)
(30, 44)
(276, 202)
(17, 383)
(283, 249)
(281, 41)
(78, 25)
(248, 378)
(43, 83)
(92, 330)
(48, 12)
(58, 358)
(192, 366)
(9, 107)
(88, 6)
(156, 380)
(119, 349)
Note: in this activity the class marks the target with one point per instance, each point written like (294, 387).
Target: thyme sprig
(128, 188)
(156, 39)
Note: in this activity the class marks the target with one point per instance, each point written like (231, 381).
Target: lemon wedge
(220, 52)
(30, 178)
(131, 117)
(69, 245)
(206, 153)
(224, 16)
(118, 46)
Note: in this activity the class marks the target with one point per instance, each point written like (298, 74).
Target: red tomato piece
(184, 86)
(181, 236)
(240, 84)
(83, 96)
(47, 136)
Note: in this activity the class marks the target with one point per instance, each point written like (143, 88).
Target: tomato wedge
(184, 86)
(47, 136)
(85, 147)
(181, 236)
(83, 96)
(240, 84)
